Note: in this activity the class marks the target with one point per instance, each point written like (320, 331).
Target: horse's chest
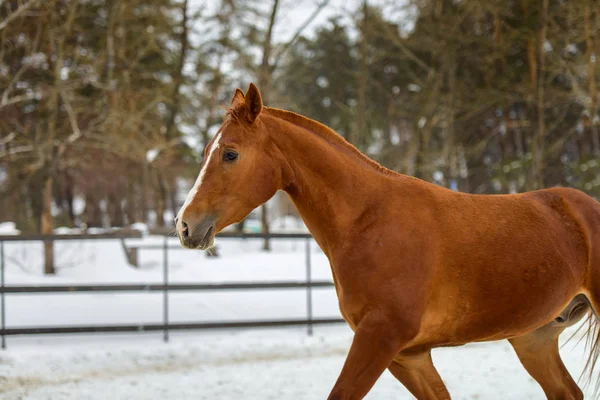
(352, 311)
(357, 294)
(351, 299)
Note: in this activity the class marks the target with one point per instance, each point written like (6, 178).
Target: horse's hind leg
(419, 376)
(539, 355)
(538, 352)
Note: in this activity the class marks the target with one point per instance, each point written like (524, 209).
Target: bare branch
(298, 32)
(16, 99)
(404, 49)
(72, 119)
(24, 7)
(24, 67)
(16, 150)
(8, 138)
(9, 88)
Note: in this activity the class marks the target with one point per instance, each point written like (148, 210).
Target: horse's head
(239, 173)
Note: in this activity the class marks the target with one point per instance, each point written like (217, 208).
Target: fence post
(166, 290)
(309, 310)
(3, 309)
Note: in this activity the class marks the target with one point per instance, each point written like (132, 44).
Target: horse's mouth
(208, 239)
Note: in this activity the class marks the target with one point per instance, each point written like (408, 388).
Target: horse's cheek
(266, 185)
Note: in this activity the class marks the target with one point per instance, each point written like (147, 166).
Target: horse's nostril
(185, 230)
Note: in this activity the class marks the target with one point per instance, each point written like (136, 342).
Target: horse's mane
(326, 133)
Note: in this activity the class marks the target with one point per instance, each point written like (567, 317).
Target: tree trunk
(93, 214)
(115, 211)
(160, 200)
(422, 167)
(22, 211)
(49, 152)
(591, 72)
(536, 180)
(178, 78)
(70, 198)
(362, 83)
(144, 204)
(172, 188)
(47, 226)
(451, 150)
(411, 154)
(133, 209)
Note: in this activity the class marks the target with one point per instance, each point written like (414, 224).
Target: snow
(263, 364)
(78, 205)
(63, 230)
(140, 226)
(223, 364)
(8, 228)
(151, 155)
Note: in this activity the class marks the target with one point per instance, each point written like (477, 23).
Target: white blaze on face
(211, 152)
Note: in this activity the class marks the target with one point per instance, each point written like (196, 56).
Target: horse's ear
(237, 99)
(253, 102)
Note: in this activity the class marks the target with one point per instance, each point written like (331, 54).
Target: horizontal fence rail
(165, 287)
(163, 327)
(161, 287)
(241, 235)
(133, 234)
(120, 234)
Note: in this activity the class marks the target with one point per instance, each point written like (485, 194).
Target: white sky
(293, 13)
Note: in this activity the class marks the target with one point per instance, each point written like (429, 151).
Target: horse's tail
(592, 345)
(592, 325)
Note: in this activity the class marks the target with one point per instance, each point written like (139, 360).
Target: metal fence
(165, 287)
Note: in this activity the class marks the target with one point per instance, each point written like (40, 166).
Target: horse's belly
(497, 325)
(499, 302)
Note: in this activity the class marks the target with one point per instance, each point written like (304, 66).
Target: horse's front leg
(376, 342)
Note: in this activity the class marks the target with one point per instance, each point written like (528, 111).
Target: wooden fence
(165, 287)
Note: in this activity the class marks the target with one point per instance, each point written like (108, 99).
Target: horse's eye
(230, 156)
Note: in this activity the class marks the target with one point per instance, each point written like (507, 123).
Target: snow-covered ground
(258, 364)
(225, 364)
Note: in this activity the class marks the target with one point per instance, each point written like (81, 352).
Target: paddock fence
(131, 253)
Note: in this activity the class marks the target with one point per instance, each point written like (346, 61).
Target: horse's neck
(330, 185)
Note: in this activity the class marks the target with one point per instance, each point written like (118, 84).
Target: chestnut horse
(415, 265)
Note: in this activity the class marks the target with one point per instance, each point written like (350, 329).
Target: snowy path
(266, 364)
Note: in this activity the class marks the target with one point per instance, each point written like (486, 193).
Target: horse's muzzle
(196, 233)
